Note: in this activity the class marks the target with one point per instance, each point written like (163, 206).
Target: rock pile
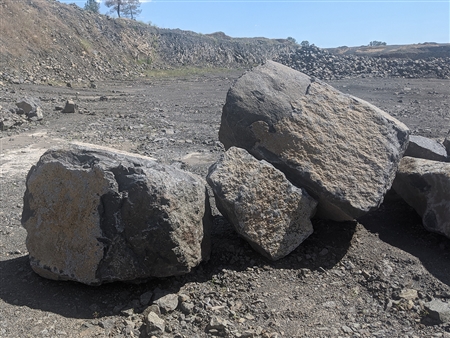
(292, 142)
(97, 216)
(26, 109)
(324, 65)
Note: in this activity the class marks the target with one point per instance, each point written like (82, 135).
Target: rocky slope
(417, 51)
(44, 41)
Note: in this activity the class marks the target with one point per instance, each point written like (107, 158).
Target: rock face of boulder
(341, 149)
(428, 149)
(425, 185)
(96, 216)
(263, 206)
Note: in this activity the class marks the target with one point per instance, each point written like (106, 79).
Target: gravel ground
(367, 278)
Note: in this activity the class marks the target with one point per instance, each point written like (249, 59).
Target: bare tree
(127, 8)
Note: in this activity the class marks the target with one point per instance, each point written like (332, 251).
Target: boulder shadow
(398, 224)
(323, 249)
(20, 286)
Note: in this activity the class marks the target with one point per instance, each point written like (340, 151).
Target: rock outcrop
(263, 206)
(97, 216)
(425, 185)
(341, 149)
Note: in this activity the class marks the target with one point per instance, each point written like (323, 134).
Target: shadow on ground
(20, 286)
(399, 225)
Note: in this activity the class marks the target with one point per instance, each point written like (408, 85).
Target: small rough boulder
(341, 149)
(263, 206)
(447, 145)
(70, 107)
(428, 149)
(31, 108)
(425, 185)
(95, 216)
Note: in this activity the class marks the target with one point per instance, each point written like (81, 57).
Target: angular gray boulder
(341, 149)
(425, 185)
(428, 149)
(31, 108)
(70, 107)
(96, 216)
(446, 144)
(263, 206)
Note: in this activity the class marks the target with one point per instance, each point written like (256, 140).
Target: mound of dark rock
(324, 65)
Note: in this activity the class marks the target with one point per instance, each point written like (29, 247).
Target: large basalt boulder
(97, 216)
(428, 149)
(341, 149)
(263, 206)
(425, 185)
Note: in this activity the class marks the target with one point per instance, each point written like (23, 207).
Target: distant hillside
(45, 39)
(417, 51)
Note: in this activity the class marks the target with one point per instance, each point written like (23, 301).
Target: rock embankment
(48, 42)
(327, 66)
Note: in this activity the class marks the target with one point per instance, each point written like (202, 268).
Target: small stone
(183, 298)
(155, 325)
(323, 252)
(168, 302)
(145, 298)
(107, 324)
(70, 107)
(408, 294)
(217, 323)
(346, 329)
(186, 307)
(152, 308)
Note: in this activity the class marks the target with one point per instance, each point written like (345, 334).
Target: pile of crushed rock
(324, 65)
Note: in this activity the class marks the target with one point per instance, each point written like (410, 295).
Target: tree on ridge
(92, 5)
(127, 8)
(131, 9)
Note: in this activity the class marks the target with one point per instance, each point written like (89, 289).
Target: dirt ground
(348, 279)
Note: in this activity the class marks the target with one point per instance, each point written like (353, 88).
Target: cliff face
(44, 39)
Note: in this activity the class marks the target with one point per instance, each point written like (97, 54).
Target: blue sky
(324, 23)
